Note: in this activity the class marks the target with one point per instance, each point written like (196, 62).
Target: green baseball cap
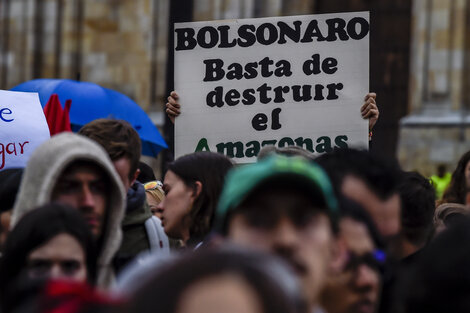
(243, 180)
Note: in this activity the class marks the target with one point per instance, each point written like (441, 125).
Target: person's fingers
(172, 111)
(173, 107)
(371, 95)
(373, 113)
(173, 102)
(366, 107)
(369, 105)
(174, 94)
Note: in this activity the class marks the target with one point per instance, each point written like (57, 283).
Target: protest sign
(297, 80)
(23, 127)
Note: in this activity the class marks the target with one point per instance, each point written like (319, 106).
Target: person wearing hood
(74, 170)
(142, 231)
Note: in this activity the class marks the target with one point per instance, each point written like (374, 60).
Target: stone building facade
(437, 127)
(123, 44)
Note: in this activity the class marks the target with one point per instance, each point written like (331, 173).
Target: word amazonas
(239, 149)
(247, 35)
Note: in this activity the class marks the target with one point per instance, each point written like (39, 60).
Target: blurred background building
(418, 59)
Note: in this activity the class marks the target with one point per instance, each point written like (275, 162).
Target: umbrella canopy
(91, 101)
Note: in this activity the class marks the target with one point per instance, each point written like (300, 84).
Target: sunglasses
(153, 185)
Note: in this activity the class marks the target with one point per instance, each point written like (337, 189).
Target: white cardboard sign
(297, 80)
(23, 127)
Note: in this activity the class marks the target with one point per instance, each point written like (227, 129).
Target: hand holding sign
(173, 106)
(369, 109)
(22, 127)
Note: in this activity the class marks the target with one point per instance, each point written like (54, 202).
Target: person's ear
(197, 189)
(339, 256)
(134, 178)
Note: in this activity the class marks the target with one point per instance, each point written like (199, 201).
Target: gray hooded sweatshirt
(44, 168)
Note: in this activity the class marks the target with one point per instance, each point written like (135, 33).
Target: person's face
(356, 289)
(84, 188)
(467, 174)
(386, 214)
(286, 224)
(62, 257)
(4, 227)
(123, 168)
(175, 207)
(226, 293)
(153, 204)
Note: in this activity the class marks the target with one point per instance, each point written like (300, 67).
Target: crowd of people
(87, 227)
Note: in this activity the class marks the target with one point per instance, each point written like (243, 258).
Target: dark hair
(440, 280)
(10, 180)
(146, 173)
(441, 170)
(210, 169)
(351, 209)
(418, 204)
(457, 190)
(36, 228)
(381, 175)
(118, 138)
(273, 285)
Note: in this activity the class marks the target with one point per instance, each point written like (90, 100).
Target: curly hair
(457, 190)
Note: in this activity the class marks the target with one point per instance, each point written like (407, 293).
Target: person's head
(460, 182)
(447, 214)
(440, 280)
(146, 173)
(370, 181)
(441, 170)
(285, 206)
(356, 288)
(155, 194)
(418, 204)
(192, 188)
(213, 281)
(122, 143)
(52, 241)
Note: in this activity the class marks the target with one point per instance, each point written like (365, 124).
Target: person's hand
(173, 106)
(369, 109)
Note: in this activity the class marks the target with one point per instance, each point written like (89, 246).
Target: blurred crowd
(87, 227)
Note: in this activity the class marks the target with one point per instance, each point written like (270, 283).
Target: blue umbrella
(91, 101)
